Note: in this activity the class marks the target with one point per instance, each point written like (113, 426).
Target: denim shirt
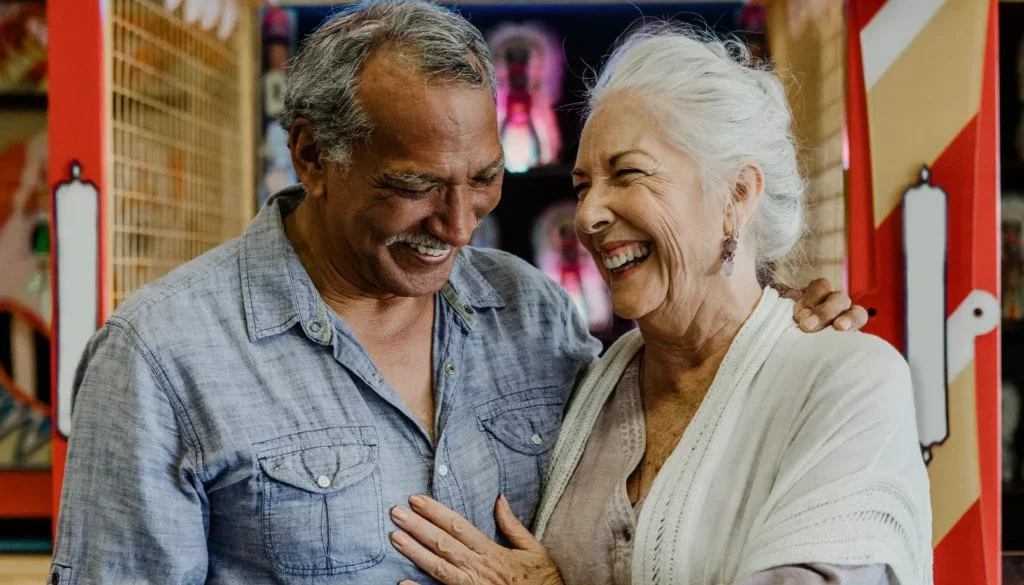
(228, 427)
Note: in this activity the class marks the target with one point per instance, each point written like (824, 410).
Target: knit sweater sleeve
(851, 488)
(819, 575)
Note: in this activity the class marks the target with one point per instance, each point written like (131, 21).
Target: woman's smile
(622, 258)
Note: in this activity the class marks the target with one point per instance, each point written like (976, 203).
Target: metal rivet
(314, 327)
(536, 440)
(449, 369)
(323, 481)
(469, 310)
(55, 578)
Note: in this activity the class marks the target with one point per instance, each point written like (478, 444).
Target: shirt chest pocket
(521, 428)
(322, 506)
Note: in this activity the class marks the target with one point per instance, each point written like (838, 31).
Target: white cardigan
(803, 451)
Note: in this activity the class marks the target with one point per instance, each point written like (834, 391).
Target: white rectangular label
(77, 255)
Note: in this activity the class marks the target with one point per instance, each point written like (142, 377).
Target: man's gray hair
(323, 78)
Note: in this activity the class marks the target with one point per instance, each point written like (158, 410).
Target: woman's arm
(454, 552)
(816, 574)
(851, 486)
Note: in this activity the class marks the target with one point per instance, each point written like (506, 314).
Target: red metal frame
(78, 125)
(986, 275)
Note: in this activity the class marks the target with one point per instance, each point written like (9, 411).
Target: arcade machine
(152, 132)
(25, 443)
(923, 254)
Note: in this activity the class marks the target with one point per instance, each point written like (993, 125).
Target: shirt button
(314, 327)
(55, 578)
(536, 440)
(442, 470)
(323, 481)
(449, 369)
(627, 535)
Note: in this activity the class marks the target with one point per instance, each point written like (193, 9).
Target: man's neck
(368, 315)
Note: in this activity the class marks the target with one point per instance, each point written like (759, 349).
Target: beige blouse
(591, 530)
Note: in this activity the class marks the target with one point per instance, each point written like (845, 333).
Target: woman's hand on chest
(453, 551)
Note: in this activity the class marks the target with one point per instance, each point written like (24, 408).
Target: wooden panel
(24, 569)
(811, 57)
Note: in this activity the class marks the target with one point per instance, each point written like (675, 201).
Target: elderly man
(253, 416)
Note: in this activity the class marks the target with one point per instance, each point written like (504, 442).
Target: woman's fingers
(517, 534)
(432, 564)
(450, 521)
(438, 541)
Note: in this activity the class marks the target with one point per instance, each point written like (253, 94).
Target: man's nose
(456, 220)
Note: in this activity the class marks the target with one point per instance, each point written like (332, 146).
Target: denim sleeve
(578, 343)
(133, 509)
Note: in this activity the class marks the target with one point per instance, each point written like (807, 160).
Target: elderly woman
(718, 444)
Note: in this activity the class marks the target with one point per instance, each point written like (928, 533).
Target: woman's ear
(306, 158)
(747, 188)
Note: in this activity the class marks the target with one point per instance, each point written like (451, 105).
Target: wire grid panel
(176, 139)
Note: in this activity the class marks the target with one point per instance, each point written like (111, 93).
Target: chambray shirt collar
(278, 293)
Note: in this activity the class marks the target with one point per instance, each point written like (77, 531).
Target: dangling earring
(729, 247)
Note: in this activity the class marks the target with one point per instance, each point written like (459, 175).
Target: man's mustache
(421, 239)
(425, 240)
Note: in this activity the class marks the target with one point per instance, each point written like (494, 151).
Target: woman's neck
(689, 339)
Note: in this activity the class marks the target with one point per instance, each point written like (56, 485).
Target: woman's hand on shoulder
(450, 549)
(819, 306)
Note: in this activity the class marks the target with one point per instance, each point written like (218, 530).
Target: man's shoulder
(205, 285)
(515, 280)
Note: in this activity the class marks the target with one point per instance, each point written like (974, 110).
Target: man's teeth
(427, 251)
(613, 262)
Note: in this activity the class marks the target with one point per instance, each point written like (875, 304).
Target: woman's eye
(580, 188)
(626, 172)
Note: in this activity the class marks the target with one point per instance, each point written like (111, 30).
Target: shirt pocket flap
(320, 462)
(526, 422)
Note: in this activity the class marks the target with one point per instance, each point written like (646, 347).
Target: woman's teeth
(426, 251)
(628, 259)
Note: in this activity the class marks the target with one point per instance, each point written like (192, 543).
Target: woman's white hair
(724, 109)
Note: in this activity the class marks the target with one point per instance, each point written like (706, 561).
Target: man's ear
(306, 158)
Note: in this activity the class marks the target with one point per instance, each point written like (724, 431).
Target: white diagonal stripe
(890, 32)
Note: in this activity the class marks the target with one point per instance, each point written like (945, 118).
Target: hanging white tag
(228, 19)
